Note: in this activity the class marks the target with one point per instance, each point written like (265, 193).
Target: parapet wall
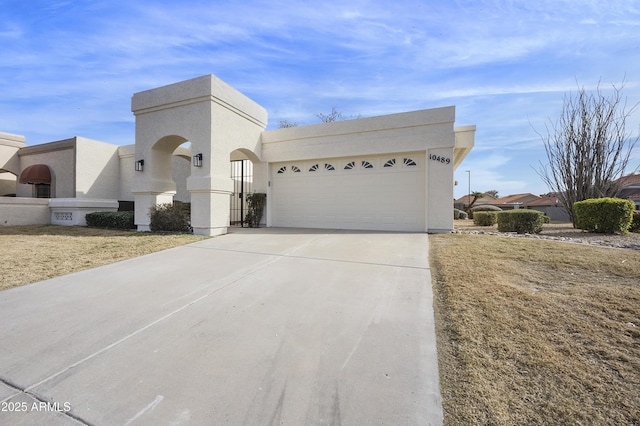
(24, 211)
(44, 211)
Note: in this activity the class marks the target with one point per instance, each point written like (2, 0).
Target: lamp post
(469, 193)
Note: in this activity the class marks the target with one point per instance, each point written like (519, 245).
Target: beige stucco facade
(404, 160)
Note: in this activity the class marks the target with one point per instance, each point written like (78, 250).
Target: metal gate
(242, 176)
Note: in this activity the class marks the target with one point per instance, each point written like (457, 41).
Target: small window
(43, 190)
(350, 165)
(390, 163)
(409, 162)
(295, 169)
(367, 165)
(328, 166)
(282, 169)
(313, 168)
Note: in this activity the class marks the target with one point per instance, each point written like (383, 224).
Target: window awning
(38, 173)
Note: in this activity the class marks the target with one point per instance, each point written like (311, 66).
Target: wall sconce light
(197, 160)
(139, 165)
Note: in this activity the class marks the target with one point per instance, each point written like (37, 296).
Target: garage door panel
(385, 198)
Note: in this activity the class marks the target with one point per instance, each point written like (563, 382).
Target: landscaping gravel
(558, 232)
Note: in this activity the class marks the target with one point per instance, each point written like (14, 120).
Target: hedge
(483, 208)
(604, 215)
(114, 220)
(170, 217)
(635, 223)
(521, 221)
(256, 202)
(484, 218)
(459, 214)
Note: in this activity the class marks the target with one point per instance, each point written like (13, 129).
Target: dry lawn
(38, 252)
(536, 332)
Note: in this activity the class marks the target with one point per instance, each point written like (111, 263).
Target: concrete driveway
(257, 327)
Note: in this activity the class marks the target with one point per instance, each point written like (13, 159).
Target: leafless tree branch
(588, 147)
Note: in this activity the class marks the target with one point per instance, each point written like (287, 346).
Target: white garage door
(376, 193)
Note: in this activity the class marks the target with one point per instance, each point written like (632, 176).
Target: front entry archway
(216, 119)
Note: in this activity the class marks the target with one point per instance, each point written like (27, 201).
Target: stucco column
(439, 172)
(261, 184)
(149, 193)
(210, 204)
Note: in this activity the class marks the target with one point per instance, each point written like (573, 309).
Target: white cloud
(505, 65)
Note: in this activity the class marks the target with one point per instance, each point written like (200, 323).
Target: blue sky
(70, 67)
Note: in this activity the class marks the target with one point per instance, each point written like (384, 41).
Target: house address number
(443, 160)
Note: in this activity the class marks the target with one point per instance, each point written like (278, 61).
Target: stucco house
(392, 172)
(550, 205)
(630, 185)
(463, 202)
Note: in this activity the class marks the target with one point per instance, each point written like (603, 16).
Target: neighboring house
(550, 205)
(393, 172)
(516, 201)
(463, 202)
(631, 188)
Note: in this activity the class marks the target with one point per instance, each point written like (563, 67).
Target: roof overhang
(465, 137)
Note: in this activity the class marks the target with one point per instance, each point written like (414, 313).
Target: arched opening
(216, 119)
(181, 170)
(8, 181)
(171, 161)
(162, 155)
(242, 175)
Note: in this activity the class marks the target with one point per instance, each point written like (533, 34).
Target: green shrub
(255, 202)
(459, 214)
(484, 218)
(170, 217)
(635, 223)
(483, 208)
(604, 215)
(521, 221)
(113, 220)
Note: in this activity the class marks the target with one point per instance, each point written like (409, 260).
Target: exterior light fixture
(139, 165)
(197, 160)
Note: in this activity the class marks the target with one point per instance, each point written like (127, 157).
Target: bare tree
(588, 147)
(284, 124)
(334, 115)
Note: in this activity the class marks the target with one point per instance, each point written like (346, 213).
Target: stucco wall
(9, 146)
(24, 211)
(181, 169)
(97, 169)
(7, 184)
(126, 166)
(439, 189)
(404, 132)
(60, 157)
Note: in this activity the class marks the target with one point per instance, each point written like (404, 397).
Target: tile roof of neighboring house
(544, 201)
(513, 199)
(466, 198)
(630, 179)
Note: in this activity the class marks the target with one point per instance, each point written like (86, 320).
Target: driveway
(258, 327)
